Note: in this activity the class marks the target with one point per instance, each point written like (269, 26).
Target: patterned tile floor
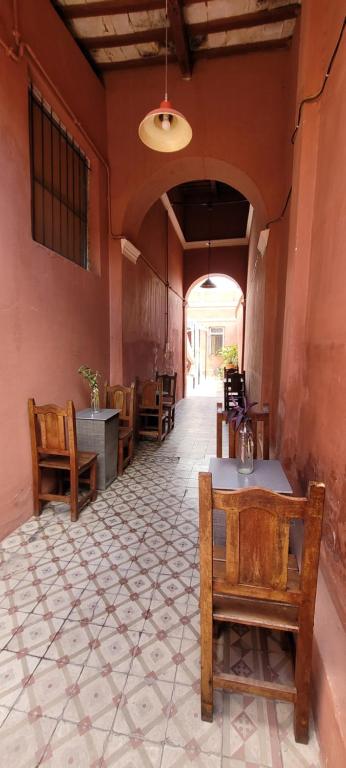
(99, 629)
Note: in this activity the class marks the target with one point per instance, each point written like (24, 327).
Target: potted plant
(92, 378)
(239, 415)
(229, 355)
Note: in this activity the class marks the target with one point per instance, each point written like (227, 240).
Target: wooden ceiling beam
(194, 30)
(205, 53)
(233, 50)
(245, 20)
(132, 38)
(107, 8)
(179, 37)
(143, 61)
(111, 7)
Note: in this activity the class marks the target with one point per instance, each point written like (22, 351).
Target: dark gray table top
(102, 415)
(267, 474)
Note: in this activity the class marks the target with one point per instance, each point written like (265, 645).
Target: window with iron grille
(59, 184)
(215, 340)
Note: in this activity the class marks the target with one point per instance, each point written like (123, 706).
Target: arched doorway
(153, 331)
(213, 333)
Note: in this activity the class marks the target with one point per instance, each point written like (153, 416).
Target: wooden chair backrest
(227, 372)
(260, 429)
(117, 396)
(257, 539)
(53, 429)
(169, 384)
(152, 394)
(236, 381)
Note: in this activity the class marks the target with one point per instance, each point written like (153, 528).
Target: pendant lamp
(165, 129)
(208, 283)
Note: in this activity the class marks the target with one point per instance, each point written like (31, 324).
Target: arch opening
(214, 333)
(182, 170)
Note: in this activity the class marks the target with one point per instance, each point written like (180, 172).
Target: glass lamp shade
(164, 129)
(208, 283)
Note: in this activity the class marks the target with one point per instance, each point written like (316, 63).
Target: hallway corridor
(99, 628)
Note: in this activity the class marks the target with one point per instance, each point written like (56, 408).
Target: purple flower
(239, 413)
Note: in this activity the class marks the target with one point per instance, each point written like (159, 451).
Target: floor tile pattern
(99, 631)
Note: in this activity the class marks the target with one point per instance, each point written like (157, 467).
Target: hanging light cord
(166, 53)
(308, 100)
(210, 210)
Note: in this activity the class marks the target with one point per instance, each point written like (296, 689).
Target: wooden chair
(152, 418)
(233, 387)
(54, 451)
(260, 429)
(123, 398)
(169, 384)
(253, 580)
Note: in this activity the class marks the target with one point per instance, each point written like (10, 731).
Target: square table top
(267, 474)
(102, 415)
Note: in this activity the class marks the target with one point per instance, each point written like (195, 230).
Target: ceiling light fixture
(208, 283)
(164, 129)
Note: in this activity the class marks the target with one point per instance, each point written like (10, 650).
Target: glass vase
(95, 400)
(245, 448)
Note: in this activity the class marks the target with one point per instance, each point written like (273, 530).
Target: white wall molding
(190, 246)
(249, 222)
(173, 219)
(129, 250)
(263, 241)
(216, 243)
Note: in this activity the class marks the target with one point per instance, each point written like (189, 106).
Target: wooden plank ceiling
(119, 33)
(209, 210)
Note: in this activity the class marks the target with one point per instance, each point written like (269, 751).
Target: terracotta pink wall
(267, 273)
(231, 261)
(312, 408)
(54, 315)
(146, 327)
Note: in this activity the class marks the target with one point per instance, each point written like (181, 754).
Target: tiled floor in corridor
(99, 631)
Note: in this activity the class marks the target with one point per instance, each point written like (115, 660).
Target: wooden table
(98, 432)
(267, 474)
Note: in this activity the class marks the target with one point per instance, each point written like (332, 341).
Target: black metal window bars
(59, 184)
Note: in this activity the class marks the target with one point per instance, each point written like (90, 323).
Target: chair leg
(74, 497)
(207, 671)
(120, 457)
(37, 479)
(37, 507)
(302, 682)
(130, 449)
(93, 477)
(219, 433)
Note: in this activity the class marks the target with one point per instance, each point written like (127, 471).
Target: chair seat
(85, 458)
(124, 432)
(156, 415)
(168, 404)
(256, 613)
(147, 409)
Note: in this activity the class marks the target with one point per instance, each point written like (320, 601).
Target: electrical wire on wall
(309, 100)
(317, 96)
